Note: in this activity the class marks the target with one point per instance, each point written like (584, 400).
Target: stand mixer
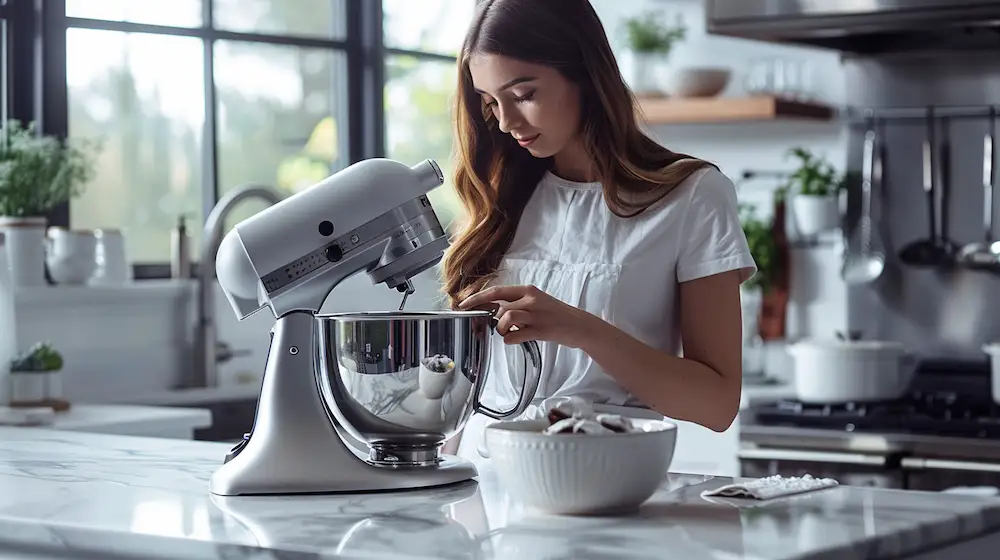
(396, 385)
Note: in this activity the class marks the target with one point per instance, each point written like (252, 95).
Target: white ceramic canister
(8, 326)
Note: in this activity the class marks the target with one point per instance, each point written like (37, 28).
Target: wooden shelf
(731, 110)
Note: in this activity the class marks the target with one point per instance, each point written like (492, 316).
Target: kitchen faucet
(208, 351)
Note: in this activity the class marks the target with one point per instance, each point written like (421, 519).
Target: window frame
(37, 57)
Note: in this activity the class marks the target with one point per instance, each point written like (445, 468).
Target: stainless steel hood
(861, 26)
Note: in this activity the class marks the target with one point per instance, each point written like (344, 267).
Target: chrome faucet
(209, 352)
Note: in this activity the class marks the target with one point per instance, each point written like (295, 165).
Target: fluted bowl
(581, 474)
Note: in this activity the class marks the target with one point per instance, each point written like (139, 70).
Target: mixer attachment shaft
(406, 293)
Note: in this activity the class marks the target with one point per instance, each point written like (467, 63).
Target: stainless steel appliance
(354, 401)
(944, 434)
(868, 26)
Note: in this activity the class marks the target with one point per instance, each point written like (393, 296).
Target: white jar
(8, 324)
(71, 255)
(25, 241)
(111, 259)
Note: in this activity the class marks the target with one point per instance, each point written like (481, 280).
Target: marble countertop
(129, 419)
(199, 395)
(83, 495)
(123, 419)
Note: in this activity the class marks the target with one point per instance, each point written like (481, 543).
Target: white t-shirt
(624, 270)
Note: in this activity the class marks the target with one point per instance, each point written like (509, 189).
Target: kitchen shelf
(731, 110)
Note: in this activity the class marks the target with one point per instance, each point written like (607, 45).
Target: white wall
(130, 342)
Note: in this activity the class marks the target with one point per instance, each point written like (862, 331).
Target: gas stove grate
(941, 413)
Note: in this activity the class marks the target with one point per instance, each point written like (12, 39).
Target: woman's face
(533, 103)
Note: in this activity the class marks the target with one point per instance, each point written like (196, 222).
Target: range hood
(861, 26)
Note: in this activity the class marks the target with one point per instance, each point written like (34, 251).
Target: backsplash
(937, 312)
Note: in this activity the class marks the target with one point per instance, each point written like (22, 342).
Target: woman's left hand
(527, 313)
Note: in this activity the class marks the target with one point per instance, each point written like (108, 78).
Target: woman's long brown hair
(495, 177)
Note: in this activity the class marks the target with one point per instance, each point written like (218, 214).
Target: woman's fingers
(516, 319)
(496, 293)
(520, 335)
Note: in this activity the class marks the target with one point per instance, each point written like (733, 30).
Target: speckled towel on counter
(771, 487)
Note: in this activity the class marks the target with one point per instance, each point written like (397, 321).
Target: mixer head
(373, 215)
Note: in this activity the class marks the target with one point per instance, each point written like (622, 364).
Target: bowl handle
(533, 375)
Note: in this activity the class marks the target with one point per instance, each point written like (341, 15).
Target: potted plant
(814, 188)
(760, 238)
(651, 39)
(764, 250)
(37, 173)
(36, 377)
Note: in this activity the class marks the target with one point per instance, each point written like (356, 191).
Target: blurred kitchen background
(193, 100)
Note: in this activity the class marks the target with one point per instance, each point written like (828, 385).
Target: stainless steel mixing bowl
(403, 383)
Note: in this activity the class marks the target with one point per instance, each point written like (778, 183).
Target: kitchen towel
(771, 487)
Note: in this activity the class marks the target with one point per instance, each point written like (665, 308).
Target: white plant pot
(751, 301)
(25, 244)
(647, 71)
(815, 214)
(53, 385)
(27, 387)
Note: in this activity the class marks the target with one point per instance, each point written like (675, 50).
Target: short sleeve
(712, 239)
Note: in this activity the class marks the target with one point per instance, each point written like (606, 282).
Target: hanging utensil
(985, 255)
(934, 251)
(867, 263)
(948, 247)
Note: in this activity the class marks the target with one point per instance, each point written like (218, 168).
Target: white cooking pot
(840, 371)
(993, 350)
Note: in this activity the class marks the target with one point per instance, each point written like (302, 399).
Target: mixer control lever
(334, 253)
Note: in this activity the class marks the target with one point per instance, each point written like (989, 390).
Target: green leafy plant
(40, 358)
(38, 172)
(760, 238)
(649, 33)
(815, 175)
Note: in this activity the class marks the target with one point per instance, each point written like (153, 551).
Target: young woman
(607, 248)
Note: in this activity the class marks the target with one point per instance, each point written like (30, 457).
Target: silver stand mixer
(396, 385)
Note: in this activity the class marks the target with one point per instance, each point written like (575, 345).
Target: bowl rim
(400, 315)
(667, 426)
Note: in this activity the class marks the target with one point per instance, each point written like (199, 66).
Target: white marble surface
(148, 421)
(90, 495)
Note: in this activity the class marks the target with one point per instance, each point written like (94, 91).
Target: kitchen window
(4, 63)
(195, 97)
(423, 40)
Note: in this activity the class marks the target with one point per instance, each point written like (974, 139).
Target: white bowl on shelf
(697, 81)
(581, 474)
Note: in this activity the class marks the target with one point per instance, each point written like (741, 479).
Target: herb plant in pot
(36, 377)
(37, 173)
(814, 188)
(650, 40)
(760, 238)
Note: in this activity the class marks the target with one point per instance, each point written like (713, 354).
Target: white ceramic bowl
(577, 474)
(697, 81)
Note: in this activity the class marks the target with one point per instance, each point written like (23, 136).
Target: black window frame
(35, 49)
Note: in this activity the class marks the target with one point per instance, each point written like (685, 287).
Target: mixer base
(295, 448)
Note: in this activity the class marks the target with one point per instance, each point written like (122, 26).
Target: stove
(945, 433)
(928, 413)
